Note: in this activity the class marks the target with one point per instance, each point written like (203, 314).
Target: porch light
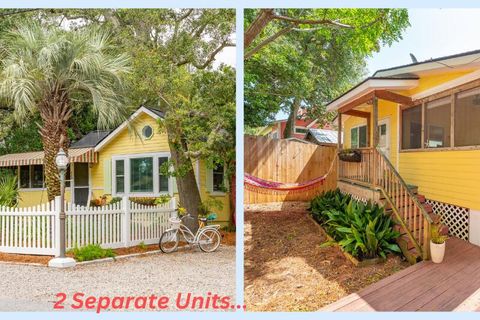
(61, 160)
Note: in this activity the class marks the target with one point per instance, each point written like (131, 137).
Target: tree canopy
(306, 57)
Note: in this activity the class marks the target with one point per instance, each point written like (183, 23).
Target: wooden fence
(287, 161)
(36, 230)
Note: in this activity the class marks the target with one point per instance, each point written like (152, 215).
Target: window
(218, 179)
(162, 178)
(141, 174)
(147, 132)
(300, 130)
(467, 118)
(358, 137)
(412, 128)
(120, 176)
(31, 177)
(437, 123)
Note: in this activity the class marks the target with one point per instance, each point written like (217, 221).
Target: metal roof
(324, 136)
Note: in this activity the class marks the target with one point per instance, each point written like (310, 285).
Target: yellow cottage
(114, 164)
(414, 137)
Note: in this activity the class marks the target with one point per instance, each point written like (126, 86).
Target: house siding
(128, 142)
(446, 176)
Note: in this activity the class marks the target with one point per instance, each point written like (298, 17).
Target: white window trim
(300, 127)
(358, 134)
(217, 193)
(126, 163)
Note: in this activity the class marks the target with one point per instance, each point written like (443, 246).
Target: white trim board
(448, 85)
(119, 129)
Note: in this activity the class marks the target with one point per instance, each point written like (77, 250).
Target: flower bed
(363, 231)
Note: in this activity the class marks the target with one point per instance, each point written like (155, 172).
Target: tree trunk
(260, 22)
(292, 117)
(186, 183)
(51, 133)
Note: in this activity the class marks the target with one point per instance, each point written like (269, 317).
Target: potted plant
(437, 244)
(350, 155)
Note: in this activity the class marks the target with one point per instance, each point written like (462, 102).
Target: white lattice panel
(456, 218)
(356, 197)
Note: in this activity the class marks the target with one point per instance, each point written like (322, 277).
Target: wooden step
(408, 249)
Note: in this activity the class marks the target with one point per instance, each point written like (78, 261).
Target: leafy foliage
(8, 189)
(362, 230)
(313, 63)
(91, 252)
(435, 234)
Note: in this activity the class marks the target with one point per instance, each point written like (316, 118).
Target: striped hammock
(259, 185)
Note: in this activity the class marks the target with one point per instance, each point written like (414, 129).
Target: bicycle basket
(175, 223)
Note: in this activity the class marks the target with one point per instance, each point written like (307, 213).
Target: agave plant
(8, 190)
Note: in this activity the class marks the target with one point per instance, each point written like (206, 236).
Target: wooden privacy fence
(287, 161)
(36, 230)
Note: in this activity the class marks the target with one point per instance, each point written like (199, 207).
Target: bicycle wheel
(169, 241)
(209, 240)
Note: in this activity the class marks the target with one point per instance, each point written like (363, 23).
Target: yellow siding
(127, 143)
(446, 176)
(30, 198)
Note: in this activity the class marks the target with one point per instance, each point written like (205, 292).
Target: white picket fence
(36, 230)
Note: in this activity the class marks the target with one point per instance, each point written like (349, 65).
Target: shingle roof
(91, 139)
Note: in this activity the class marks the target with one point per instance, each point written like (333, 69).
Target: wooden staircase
(412, 215)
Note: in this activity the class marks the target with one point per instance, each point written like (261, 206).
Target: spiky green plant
(8, 189)
(52, 71)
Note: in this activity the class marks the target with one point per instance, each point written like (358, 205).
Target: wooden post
(375, 139)
(339, 131)
(375, 122)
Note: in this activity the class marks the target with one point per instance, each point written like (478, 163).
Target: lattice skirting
(456, 218)
(356, 197)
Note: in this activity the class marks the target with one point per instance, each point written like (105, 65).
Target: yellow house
(416, 131)
(125, 161)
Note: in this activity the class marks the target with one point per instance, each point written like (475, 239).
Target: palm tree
(52, 71)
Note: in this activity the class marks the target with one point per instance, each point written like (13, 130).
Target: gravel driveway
(31, 288)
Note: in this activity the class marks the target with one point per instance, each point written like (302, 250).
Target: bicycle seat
(202, 219)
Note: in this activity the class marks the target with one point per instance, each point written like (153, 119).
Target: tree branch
(267, 41)
(295, 21)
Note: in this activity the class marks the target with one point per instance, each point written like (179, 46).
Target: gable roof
(404, 76)
(154, 113)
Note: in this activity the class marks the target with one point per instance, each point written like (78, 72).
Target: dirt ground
(228, 238)
(287, 270)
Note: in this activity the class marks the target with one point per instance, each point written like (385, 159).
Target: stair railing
(409, 211)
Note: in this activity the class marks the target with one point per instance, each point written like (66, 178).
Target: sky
(433, 33)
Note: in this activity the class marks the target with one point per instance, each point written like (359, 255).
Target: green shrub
(363, 230)
(91, 252)
(8, 189)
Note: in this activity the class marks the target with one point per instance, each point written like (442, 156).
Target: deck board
(451, 285)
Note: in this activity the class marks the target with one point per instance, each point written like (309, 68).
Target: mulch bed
(287, 270)
(228, 238)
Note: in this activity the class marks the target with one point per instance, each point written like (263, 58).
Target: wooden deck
(453, 285)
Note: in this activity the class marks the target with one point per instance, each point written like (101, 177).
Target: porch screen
(467, 118)
(141, 175)
(437, 123)
(412, 128)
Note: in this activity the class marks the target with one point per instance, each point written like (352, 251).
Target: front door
(81, 183)
(384, 136)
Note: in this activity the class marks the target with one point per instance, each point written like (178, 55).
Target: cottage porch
(425, 286)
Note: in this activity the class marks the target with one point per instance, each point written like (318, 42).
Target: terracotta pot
(437, 252)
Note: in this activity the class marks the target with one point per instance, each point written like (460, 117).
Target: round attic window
(147, 132)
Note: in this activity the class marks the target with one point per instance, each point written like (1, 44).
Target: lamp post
(61, 261)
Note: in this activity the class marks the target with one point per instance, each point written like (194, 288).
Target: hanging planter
(350, 155)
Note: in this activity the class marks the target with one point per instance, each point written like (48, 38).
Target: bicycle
(207, 236)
